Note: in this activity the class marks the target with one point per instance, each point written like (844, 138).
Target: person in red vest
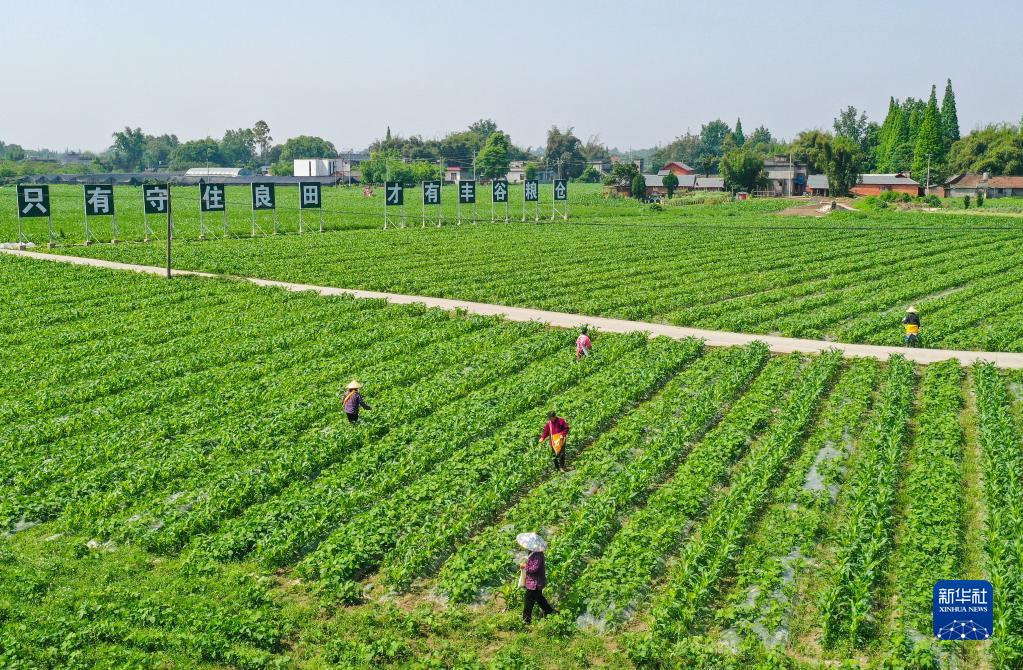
(556, 430)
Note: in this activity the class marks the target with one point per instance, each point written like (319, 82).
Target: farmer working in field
(556, 430)
(353, 401)
(533, 575)
(912, 323)
(583, 345)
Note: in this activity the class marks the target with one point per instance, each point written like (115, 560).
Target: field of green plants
(848, 277)
(181, 489)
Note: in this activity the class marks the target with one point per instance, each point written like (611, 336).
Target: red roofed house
(677, 168)
(992, 187)
(875, 184)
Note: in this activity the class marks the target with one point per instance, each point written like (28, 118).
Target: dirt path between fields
(714, 338)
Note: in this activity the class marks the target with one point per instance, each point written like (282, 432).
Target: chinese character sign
(309, 195)
(394, 192)
(500, 190)
(33, 200)
(531, 190)
(99, 199)
(263, 196)
(963, 609)
(467, 192)
(431, 192)
(211, 198)
(561, 189)
(156, 198)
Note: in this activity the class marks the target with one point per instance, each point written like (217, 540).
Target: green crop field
(741, 267)
(180, 488)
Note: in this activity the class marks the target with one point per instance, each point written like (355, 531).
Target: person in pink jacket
(583, 345)
(534, 575)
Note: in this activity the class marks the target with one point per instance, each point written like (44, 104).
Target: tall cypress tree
(887, 136)
(930, 142)
(902, 151)
(737, 135)
(949, 117)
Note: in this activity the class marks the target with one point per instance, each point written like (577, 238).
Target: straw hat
(531, 542)
(911, 310)
(354, 384)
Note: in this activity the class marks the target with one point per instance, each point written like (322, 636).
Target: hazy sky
(635, 73)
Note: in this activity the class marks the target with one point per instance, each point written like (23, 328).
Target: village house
(677, 168)
(992, 187)
(456, 173)
(516, 172)
(655, 184)
(785, 177)
(867, 184)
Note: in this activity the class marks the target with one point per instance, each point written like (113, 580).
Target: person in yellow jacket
(911, 322)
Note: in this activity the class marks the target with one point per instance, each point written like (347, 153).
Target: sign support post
(309, 197)
(560, 195)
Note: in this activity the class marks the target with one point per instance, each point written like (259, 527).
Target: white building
(516, 172)
(216, 172)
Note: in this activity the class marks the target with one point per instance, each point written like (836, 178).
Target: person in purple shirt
(534, 575)
(353, 401)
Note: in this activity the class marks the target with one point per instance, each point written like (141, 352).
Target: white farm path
(715, 338)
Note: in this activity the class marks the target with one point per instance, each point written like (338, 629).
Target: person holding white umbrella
(533, 575)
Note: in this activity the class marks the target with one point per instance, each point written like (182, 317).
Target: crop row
(579, 512)
(864, 542)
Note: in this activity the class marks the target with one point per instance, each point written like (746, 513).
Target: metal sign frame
(436, 202)
(105, 189)
(533, 184)
(563, 185)
(204, 205)
(303, 205)
(33, 209)
(467, 195)
(148, 206)
(260, 206)
(493, 198)
(398, 189)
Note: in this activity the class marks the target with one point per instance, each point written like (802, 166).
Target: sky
(636, 74)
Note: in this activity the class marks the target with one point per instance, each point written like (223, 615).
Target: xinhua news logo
(963, 609)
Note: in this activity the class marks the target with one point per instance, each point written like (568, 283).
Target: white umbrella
(531, 542)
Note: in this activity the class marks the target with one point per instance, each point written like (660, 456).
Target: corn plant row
(615, 581)
(770, 566)
(588, 529)
(931, 546)
(659, 430)
(695, 577)
(1002, 460)
(280, 528)
(361, 543)
(864, 541)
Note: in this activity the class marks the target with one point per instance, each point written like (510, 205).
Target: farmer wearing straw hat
(353, 401)
(583, 345)
(556, 430)
(533, 575)
(912, 323)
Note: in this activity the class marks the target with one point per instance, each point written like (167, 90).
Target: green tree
(196, 153)
(808, 148)
(638, 186)
(129, 146)
(14, 152)
(484, 128)
(852, 124)
(564, 152)
(670, 182)
(493, 160)
(743, 170)
(306, 146)
(594, 149)
(737, 135)
(683, 148)
(158, 151)
(888, 137)
(949, 117)
(261, 133)
(712, 140)
(622, 175)
(530, 171)
(930, 143)
(760, 135)
(238, 147)
(997, 149)
(841, 160)
(283, 169)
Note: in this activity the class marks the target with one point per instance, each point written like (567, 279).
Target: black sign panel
(263, 196)
(431, 192)
(309, 195)
(33, 200)
(531, 190)
(212, 198)
(99, 199)
(394, 192)
(156, 198)
(467, 192)
(500, 190)
(561, 189)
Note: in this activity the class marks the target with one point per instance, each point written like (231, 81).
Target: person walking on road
(583, 345)
(556, 430)
(533, 575)
(912, 323)
(353, 401)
